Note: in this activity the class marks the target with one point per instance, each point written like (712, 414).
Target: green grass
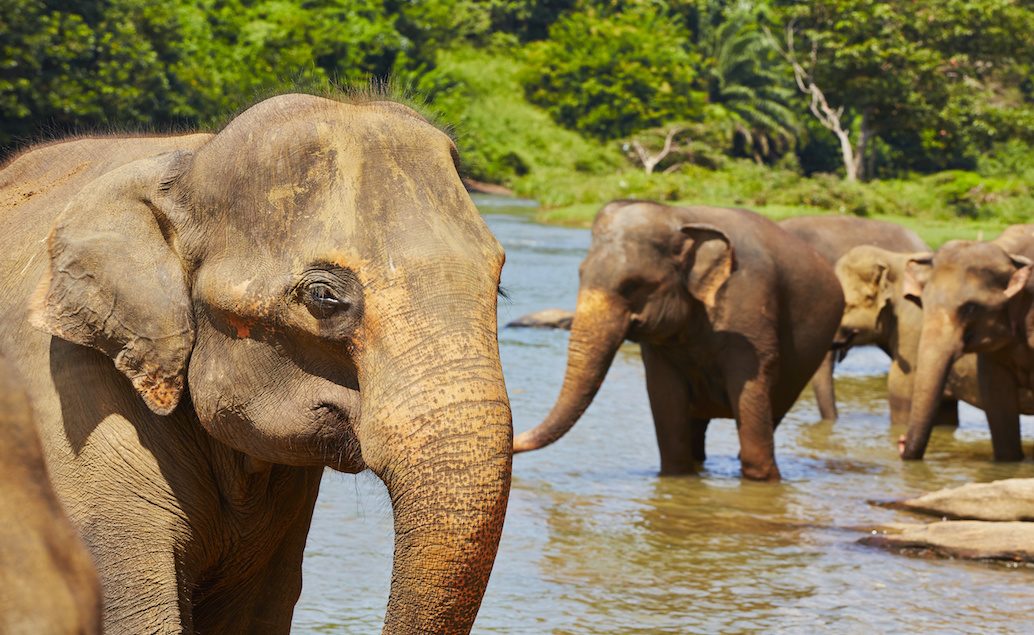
(505, 139)
(934, 231)
(938, 207)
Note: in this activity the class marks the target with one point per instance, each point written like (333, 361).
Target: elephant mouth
(844, 339)
(335, 431)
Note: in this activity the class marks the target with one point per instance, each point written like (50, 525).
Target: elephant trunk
(600, 324)
(436, 428)
(940, 344)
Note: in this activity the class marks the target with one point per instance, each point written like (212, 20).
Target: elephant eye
(334, 296)
(968, 310)
(321, 301)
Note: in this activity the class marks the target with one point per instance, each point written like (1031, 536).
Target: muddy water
(595, 542)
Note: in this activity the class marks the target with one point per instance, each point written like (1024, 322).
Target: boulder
(1006, 500)
(546, 319)
(970, 539)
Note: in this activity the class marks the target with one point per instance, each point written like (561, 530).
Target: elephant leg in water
(669, 403)
(822, 384)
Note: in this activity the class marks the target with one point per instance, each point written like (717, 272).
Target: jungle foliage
(549, 96)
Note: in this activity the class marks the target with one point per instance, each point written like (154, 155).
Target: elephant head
(871, 278)
(317, 280)
(975, 299)
(645, 278)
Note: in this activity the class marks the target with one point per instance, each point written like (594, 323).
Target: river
(596, 542)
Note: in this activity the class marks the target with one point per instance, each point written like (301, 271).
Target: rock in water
(546, 319)
(970, 539)
(1006, 500)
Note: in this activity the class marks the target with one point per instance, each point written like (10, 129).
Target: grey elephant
(48, 583)
(732, 314)
(833, 237)
(219, 317)
(976, 297)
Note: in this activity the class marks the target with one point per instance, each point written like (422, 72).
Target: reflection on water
(595, 542)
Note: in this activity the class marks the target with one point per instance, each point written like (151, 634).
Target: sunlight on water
(595, 542)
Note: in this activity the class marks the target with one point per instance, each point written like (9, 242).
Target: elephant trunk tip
(526, 442)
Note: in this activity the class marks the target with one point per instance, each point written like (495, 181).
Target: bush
(609, 76)
(501, 137)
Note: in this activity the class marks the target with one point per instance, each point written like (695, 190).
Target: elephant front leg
(1000, 398)
(899, 394)
(752, 408)
(698, 438)
(825, 393)
(679, 441)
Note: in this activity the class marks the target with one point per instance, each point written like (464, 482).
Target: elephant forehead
(973, 265)
(378, 179)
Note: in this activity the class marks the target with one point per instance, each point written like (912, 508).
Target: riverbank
(934, 232)
(939, 207)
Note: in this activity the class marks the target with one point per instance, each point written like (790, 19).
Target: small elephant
(832, 237)
(48, 583)
(877, 312)
(217, 318)
(976, 297)
(733, 316)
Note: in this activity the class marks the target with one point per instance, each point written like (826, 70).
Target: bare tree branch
(829, 117)
(650, 161)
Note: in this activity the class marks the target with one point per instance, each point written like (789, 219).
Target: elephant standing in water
(976, 297)
(47, 581)
(733, 316)
(877, 312)
(832, 237)
(219, 317)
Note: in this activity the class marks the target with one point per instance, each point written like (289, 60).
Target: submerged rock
(990, 522)
(1006, 500)
(970, 539)
(545, 319)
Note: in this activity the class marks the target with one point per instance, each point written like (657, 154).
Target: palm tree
(745, 78)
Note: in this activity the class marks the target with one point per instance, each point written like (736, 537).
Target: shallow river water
(596, 542)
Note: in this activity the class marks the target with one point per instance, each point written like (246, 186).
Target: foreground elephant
(309, 287)
(733, 316)
(48, 583)
(877, 312)
(832, 237)
(977, 297)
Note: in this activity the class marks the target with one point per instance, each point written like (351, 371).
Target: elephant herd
(194, 327)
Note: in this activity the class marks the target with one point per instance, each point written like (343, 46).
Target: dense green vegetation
(769, 104)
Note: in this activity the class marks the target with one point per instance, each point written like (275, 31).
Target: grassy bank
(504, 139)
(938, 207)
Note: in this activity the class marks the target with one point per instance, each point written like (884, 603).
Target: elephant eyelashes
(322, 302)
(332, 295)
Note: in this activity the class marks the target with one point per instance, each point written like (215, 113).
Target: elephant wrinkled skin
(733, 316)
(832, 237)
(48, 583)
(310, 287)
(976, 297)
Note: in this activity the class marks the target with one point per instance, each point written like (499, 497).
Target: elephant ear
(1020, 277)
(917, 273)
(709, 254)
(1021, 313)
(115, 284)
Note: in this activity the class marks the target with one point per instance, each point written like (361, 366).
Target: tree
(72, 64)
(828, 116)
(894, 68)
(746, 80)
(610, 75)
